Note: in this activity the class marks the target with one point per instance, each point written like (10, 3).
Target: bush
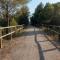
(3, 23)
(13, 22)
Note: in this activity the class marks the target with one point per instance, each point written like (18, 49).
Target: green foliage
(21, 1)
(56, 16)
(9, 7)
(37, 16)
(3, 23)
(48, 14)
(22, 16)
(13, 22)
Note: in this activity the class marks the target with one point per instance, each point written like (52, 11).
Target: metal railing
(6, 31)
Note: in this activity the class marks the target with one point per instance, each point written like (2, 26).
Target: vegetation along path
(32, 45)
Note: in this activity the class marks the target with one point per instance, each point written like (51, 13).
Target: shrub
(13, 22)
(3, 23)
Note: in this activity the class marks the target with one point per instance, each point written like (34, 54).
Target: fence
(6, 31)
(54, 29)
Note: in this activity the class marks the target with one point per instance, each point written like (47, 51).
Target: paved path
(32, 45)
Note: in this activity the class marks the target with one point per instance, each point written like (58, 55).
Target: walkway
(32, 45)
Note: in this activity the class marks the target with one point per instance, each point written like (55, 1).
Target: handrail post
(1, 43)
(59, 37)
(16, 29)
(11, 33)
(19, 29)
(42, 25)
(1, 39)
(53, 29)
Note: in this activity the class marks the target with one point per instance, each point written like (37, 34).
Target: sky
(34, 3)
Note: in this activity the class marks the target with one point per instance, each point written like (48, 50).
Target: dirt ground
(33, 44)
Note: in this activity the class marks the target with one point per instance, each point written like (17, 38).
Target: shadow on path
(41, 55)
(53, 43)
(29, 33)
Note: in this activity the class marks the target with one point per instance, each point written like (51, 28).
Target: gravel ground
(32, 45)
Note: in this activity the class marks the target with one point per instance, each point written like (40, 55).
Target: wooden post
(11, 33)
(48, 30)
(19, 29)
(59, 37)
(1, 43)
(53, 32)
(1, 39)
(16, 30)
(42, 25)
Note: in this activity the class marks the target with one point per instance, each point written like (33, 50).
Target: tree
(21, 1)
(9, 7)
(22, 15)
(13, 22)
(3, 23)
(43, 14)
(57, 9)
(48, 13)
(36, 19)
(56, 16)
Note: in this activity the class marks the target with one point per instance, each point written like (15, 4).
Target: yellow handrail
(17, 28)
